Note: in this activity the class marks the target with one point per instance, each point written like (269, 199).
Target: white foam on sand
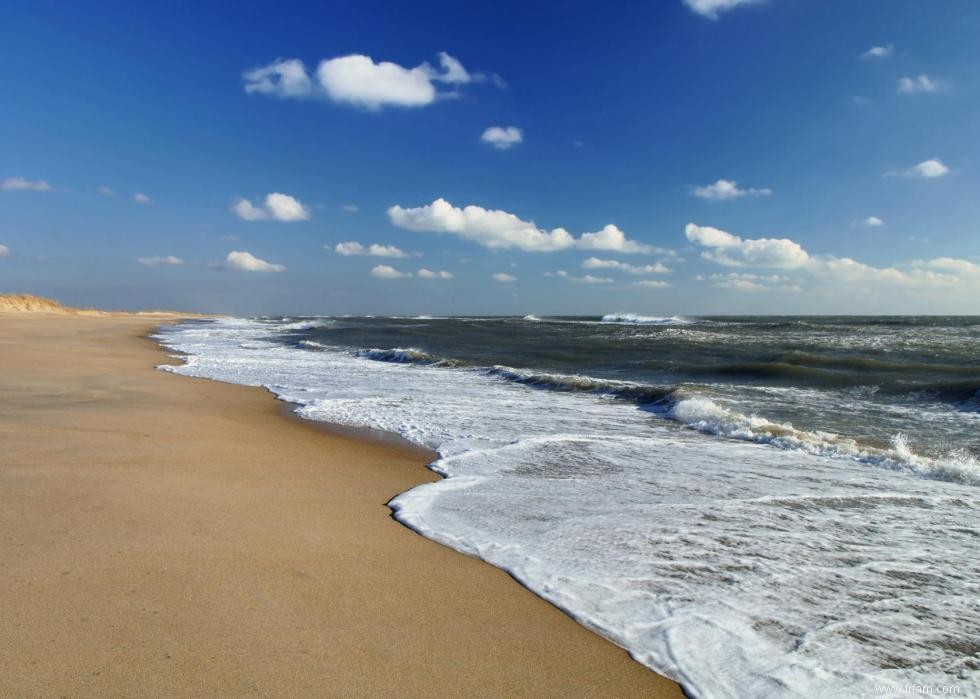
(735, 567)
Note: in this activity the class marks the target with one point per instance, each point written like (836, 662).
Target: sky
(669, 157)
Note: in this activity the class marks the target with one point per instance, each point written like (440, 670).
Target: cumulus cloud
(927, 169)
(283, 207)
(20, 184)
(839, 272)
(713, 8)
(108, 191)
(652, 284)
(504, 277)
(879, 52)
(500, 230)
(733, 251)
(612, 239)
(753, 282)
(4, 251)
(281, 78)
(157, 261)
(589, 279)
(503, 137)
(387, 272)
(726, 190)
(141, 198)
(920, 84)
(352, 247)
(596, 263)
(873, 221)
(247, 262)
(950, 264)
(429, 274)
(277, 206)
(360, 81)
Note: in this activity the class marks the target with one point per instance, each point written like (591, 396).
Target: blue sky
(683, 156)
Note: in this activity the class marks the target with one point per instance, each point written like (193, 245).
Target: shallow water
(754, 506)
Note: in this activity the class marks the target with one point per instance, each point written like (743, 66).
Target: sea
(752, 506)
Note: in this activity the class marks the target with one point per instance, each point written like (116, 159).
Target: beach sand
(168, 536)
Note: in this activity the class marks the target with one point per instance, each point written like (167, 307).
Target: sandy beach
(167, 536)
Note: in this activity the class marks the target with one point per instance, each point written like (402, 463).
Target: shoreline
(178, 536)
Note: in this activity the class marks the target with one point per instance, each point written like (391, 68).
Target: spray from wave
(634, 319)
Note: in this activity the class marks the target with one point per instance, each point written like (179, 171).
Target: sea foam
(735, 567)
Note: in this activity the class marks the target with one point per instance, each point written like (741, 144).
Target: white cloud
(351, 208)
(726, 190)
(503, 137)
(108, 191)
(280, 207)
(873, 221)
(19, 184)
(589, 279)
(610, 238)
(244, 209)
(712, 8)
(374, 250)
(141, 198)
(494, 229)
(4, 251)
(157, 261)
(500, 230)
(247, 262)
(285, 208)
(879, 52)
(596, 263)
(927, 169)
(847, 270)
(504, 277)
(360, 81)
(728, 249)
(453, 70)
(837, 273)
(429, 274)
(753, 282)
(386, 272)
(652, 284)
(920, 84)
(281, 78)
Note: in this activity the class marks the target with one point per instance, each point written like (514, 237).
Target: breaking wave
(706, 416)
(405, 355)
(639, 393)
(634, 319)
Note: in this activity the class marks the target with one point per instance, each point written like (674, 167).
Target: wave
(634, 319)
(889, 377)
(405, 355)
(863, 363)
(706, 416)
(639, 393)
(676, 402)
(308, 324)
(531, 317)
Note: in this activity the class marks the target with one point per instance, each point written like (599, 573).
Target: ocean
(753, 506)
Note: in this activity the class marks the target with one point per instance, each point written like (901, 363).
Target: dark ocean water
(866, 378)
